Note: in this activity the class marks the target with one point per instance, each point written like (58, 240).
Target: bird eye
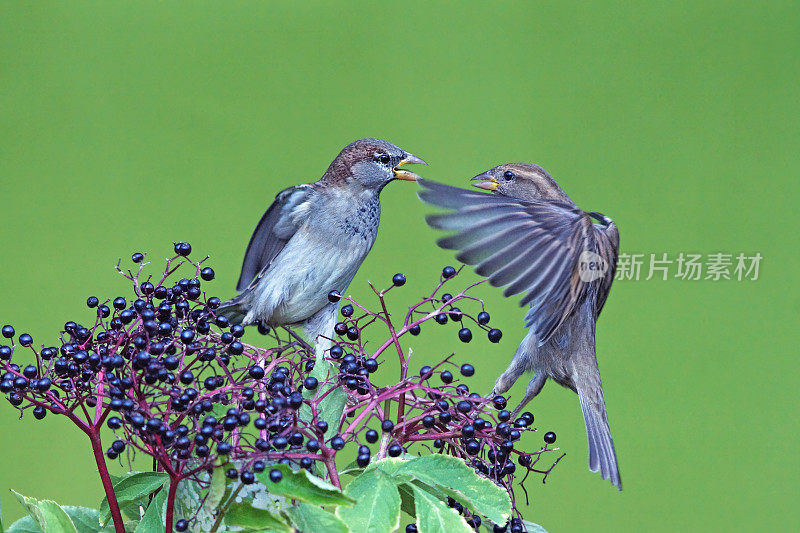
(383, 158)
(508, 175)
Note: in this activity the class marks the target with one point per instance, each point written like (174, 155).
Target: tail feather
(232, 310)
(602, 456)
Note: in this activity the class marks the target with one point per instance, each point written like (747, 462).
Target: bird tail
(602, 456)
(233, 310)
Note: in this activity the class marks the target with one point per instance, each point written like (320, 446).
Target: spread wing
(538, 248)
(276, 227)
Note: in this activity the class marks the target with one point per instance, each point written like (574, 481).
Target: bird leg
(534, 387)
(509, 377)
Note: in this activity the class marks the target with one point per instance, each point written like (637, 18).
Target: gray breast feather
(312, 264)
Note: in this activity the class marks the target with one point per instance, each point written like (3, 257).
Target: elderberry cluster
(172, 378)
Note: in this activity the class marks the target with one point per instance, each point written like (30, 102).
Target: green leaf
(407, 499)
(300, 485)
(530, 527)
(461, 482)
(47, 514)
(153, 519)
(377, 507)
(26, 524)
(132, 488)
(216, 489)
(310, 518)
(434, 516)
(86, 520)
(246, 516)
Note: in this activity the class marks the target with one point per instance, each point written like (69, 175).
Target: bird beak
(406, 175)
(485, 182)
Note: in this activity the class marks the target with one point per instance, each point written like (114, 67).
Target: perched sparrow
(313, 238)
(530, 237)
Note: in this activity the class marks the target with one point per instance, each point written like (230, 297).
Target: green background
(127, 127)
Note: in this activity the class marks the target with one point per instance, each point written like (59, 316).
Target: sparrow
(313, 239)
(530, 237)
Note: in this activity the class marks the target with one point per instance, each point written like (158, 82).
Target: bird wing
(607, 235)
(535, 247)
(276, 227)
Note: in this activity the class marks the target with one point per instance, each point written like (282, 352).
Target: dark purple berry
(398, 280)
(495, 335)
(473, 447)
(183, 248)
(467, 370)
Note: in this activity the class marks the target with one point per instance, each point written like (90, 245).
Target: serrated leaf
(377, 507)
(300, 485)
(434, 516)
(26, 524)
(132, 488)
(460, 481)
(153, 519)
(246, 516)
(86, 520)
(389, 465)
(133, 510)
(310, 518)
(47, 514)
(531, 527)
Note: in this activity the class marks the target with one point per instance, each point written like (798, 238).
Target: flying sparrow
(531, 238)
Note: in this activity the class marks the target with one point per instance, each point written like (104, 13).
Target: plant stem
(330, 464)
(221, 511)
(108, 487)
(173, 488)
